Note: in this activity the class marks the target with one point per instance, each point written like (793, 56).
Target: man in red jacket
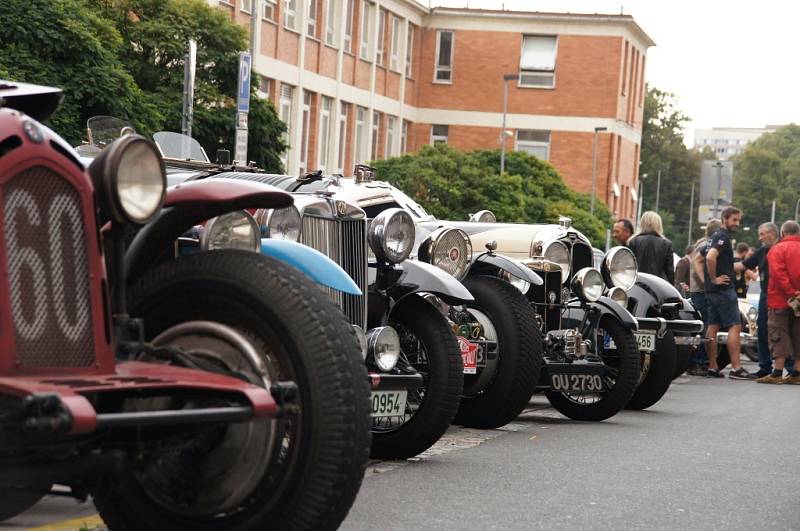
(783, 324)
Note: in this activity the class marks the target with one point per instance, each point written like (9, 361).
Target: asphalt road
(713, 454)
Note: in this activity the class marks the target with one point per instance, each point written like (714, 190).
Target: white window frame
(409, 50)
(360, 135)
(323, 155)
(376, 127)
(285, 97)
(271, 5)
(364, 48)
(342, 132)
(350, 9)
(330, 23)
(264, 83)
(379, 48)
(290, 14)
(391, 123)
(305, 133)
(311, 22)
(394, 62)
(437, 68)
(545, 71)
(439, 138)
(404, 137)
(520, 145)
(248, 10)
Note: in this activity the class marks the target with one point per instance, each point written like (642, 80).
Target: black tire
(659, 374)
(625, 364)
(418, 322)
(310, 481)
(519, 355)
(683, 360)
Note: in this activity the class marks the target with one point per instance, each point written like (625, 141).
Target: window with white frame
(348, 24)
(312, 18)
(247, 6)
(444, 57)
(404, 137)
(395, 51)
(391, 123)
(264, 86)
(361, 134)
(376, 127)
(409, 49)
(535, 142)
(439, 134)
(344, 111)
(285, 113)
(268, 10)
(290, 14)
(324, 133)
(304, 134)
(379, 46)
(330, 23)
(366, 17)
(538, 61)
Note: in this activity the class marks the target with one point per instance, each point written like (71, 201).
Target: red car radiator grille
(48, 271)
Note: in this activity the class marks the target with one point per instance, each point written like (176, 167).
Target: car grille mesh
(48, 271)
(345, 242)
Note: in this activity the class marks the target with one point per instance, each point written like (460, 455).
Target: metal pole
(719, 187)
(188, 88)
(691, 216)
(503, 130)
(658, 189)
(608, 239)
(639, 210)
(797, 210)
(773, 211)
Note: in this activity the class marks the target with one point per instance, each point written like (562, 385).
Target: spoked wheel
(256, 318)
(428, 345)
(501, 390)
(658, 369)
(619, 353)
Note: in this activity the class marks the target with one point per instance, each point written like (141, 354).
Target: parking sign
(243, 95)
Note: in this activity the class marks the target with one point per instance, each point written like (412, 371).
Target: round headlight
(234, 230)
(384, 346)
(130, 176)
(448, 249)
(752, 314)
(391, 235)
(587, 284)
(280, 223)
(483, 216)
(557, 252)
(362, 340)
(619, 295)
(619, 268)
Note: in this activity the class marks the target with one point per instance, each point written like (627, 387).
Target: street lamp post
(658, 190)
(797, 210)
(718, 165)
(506, 79)
(594, 166)
(642, 177)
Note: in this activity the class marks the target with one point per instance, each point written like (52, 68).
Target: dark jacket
(654, 255)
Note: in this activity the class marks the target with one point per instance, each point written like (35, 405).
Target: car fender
(574, 314)
(313, 263)
(490, 262)
(651, 292)
(189, 204)
(415, 277)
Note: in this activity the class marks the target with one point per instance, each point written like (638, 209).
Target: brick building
(358, 80)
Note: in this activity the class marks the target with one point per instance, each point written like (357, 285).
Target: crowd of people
(714, 276)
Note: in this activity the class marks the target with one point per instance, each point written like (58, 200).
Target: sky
(729, 63)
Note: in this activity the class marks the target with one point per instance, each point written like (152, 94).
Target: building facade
(360, 80)
(727, 142)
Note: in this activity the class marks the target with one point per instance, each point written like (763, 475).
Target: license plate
(469, 355)
(576, 383)
(645, 341)
(389, 403)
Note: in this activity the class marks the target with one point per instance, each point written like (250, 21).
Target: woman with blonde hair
(652, 249)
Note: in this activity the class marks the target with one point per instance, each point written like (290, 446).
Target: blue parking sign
(243, 93)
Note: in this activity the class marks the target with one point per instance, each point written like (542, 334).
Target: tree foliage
(452, 184)
(125, 58)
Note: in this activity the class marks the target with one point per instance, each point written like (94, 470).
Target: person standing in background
(697, 294)
(622, 231)
(741, 278)
(682, 269)
(652, 249)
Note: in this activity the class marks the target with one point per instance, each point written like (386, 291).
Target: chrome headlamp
(280, 223)
(619, 295)
(384, 346)
(448, 249)
(619, 268)
(483, 216)
(234, 230)
(587, 284)
(131, 179)
(391, 235)
(557, 252)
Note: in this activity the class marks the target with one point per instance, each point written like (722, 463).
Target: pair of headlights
(618, 269)
(240, 230)
(588, 285)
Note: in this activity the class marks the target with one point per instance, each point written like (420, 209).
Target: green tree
(452, 184)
